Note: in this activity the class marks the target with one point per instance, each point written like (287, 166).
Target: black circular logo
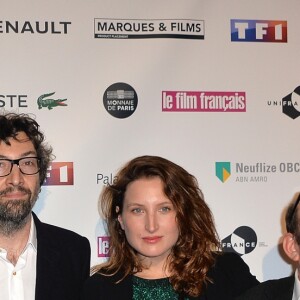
(289, 102)
(242, 241)
(120, 100)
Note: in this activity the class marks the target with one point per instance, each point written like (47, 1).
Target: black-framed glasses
(27, 165)
(295, 207)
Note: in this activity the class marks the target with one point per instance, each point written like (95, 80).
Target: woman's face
(149, 219)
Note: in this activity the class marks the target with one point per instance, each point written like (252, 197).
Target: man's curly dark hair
(11, 124)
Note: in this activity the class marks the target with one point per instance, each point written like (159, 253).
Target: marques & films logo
(148, 28)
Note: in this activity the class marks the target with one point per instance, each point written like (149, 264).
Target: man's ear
(119, 217)
(290, 247)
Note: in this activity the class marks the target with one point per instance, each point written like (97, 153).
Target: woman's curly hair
(11, 124)
(194, 252)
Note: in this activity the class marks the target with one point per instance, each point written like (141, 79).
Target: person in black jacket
(37, 260)
(163, 241)
(286, 288)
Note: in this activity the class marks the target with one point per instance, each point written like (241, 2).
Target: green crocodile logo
(50, 103)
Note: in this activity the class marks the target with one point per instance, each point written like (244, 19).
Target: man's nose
(15, 177)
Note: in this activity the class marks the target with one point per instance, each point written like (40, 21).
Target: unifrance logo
(289, 102)
(258, 31)
(242, 241)
(223, 170)
(148, 29)
(60, 173)
(103, 246)
(188, 101)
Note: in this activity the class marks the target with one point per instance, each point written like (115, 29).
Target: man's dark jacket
(278, 289)
(63, 262)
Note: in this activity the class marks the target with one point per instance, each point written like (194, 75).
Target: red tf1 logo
(274, 31)
(103, 246)
(60, 173)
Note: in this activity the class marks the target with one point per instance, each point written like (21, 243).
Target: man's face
(18, 192)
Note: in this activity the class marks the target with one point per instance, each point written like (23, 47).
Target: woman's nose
(151, 222)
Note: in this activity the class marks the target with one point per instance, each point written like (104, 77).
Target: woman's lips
(152, 239)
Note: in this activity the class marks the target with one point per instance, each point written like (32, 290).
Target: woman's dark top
(149, 289)
(230, 275)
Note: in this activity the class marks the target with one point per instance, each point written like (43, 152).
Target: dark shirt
(276, 289)
(149, 289)
(230, 275)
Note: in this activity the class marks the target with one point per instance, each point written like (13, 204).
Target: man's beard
(14, 212)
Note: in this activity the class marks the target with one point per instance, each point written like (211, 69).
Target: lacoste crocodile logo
(50, 103)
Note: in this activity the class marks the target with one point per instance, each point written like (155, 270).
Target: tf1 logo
(258, 31)
(60, 173)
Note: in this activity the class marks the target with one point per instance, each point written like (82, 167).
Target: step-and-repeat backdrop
(211, 85)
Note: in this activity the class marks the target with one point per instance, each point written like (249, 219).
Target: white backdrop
(65, 47)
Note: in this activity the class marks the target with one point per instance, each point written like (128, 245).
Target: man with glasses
(287, 288)
(37, 260)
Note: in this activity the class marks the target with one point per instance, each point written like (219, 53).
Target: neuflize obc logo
(258, 31)
(223, 170)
